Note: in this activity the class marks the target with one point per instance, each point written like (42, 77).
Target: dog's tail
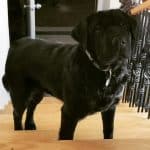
(5, 82)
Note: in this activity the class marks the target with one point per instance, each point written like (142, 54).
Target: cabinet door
(63, 13)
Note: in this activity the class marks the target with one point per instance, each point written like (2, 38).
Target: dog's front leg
(108, 122)
(68, 125)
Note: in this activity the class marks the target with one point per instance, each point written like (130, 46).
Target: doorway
(59, 16)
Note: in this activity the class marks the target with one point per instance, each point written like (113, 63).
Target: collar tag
(108, 79)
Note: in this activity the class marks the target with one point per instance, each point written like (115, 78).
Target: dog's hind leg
(68, 125)
(35, 98)
(108, 122)
(19, 97)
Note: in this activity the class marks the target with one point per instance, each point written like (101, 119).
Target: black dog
(87, 76)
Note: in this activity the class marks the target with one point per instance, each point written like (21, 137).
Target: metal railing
(31, 6)
(137, 89)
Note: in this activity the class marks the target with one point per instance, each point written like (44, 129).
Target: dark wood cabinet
(63, 13)
(53, 17)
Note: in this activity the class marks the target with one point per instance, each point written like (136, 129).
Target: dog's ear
(133, 26)
(133, 29)
(79, 33)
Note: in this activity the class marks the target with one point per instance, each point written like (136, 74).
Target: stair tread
(41, 140)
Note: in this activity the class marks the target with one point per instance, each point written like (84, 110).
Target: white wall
(114, 4)
(4, 45)
(108, 4)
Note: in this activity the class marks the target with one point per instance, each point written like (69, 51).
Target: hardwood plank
(128, 123)
(36, 141)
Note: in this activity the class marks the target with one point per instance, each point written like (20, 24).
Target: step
(42, 141)
(54, 30)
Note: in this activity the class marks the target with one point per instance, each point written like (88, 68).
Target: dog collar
(92, 60)
(109, 72)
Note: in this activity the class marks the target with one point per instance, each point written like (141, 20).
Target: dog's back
(35, 60)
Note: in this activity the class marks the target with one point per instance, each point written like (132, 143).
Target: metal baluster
(126, 87)
(31, 6)
(137, 89)
(147, 89)
(137, 73)
(131, 84)
(148, 105)
(144, 82)
(147, 72)
(129, 87)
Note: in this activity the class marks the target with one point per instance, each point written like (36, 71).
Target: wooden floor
(31, 144)
(132, 130)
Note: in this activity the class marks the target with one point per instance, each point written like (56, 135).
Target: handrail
(144, 6)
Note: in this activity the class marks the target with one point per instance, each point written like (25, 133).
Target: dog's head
(107, 35)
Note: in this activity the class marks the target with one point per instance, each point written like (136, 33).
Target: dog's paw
(30, 126)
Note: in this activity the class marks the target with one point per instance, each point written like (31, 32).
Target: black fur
(65, 71)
